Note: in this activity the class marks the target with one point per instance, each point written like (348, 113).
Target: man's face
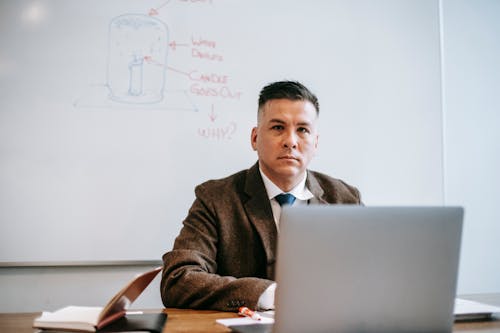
(285, 140)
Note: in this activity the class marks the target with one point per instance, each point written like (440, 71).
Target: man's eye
(303, 130)
(277, 127)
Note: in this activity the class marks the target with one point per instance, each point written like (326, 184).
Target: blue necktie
(285, 199)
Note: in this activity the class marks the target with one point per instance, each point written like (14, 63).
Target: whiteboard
(112, 111)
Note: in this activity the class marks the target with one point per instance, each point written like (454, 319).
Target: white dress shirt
(302, 195)
(300, 192)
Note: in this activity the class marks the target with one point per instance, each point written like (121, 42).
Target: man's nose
(290, 139)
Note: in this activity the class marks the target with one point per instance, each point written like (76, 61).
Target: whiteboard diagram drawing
(137, 59)
(136, 69)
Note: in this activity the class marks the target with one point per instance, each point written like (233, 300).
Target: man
(225, 254)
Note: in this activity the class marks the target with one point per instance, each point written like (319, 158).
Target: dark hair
(291, 90)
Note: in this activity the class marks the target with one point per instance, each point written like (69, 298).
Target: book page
(71, 317)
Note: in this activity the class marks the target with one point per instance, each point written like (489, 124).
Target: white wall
(471, 45)
(33, 289)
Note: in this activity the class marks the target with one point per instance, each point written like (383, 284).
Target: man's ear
(253, 138)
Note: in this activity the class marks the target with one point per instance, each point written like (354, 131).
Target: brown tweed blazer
(224, 255)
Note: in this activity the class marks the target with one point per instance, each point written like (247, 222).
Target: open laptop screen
(367, 269)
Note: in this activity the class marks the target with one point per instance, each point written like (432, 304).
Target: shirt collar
(300, 191)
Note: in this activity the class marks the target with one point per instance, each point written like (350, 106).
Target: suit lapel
(260, 214)
(313, 186)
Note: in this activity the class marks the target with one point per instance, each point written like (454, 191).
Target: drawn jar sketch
(137, 59)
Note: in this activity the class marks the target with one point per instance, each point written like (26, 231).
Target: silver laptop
(367, 269)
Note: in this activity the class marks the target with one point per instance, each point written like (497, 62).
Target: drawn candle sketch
(135, 83)
(137, 59)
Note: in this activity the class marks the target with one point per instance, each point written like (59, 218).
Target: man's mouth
(288, 157)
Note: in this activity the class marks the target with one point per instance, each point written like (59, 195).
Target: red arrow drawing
(173, 44)
(155, 11)
(212, 114)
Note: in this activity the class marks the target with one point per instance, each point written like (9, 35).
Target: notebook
(92, 318)
(366, 269)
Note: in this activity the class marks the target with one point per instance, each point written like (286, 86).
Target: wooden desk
(195, 321)
(179, 320)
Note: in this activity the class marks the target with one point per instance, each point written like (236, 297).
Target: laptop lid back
(367, 269)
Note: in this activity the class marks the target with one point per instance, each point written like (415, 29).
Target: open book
(90, 319)
(472, 310)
